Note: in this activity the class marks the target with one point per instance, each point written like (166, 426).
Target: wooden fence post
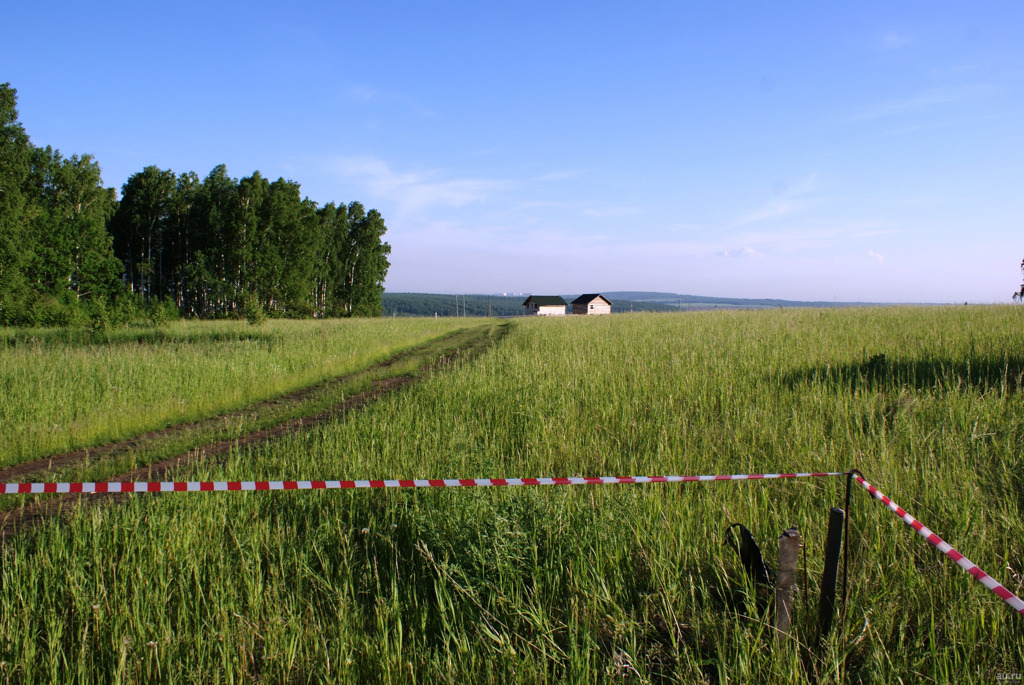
(785, 579)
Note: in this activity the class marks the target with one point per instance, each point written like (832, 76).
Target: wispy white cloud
(816, 237)
(874, 255)
(557, 176)
(362, 93)
(610, 212)
(536, 204)
(368, 94)
(893, 41)
(415, 190)
(774, 209)
(743, 253)
(956, 70)
(930, 99)
(787, 202)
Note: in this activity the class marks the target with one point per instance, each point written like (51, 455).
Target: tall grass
(577, 584)
(63, 390)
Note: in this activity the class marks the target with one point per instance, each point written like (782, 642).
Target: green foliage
(101, 318)
(203, 245)
(210, 245)
(254, 313)
(15, 151)
(142, 231)
(429, 304)
(367, 262)
(160, 313)
(62, 310)
(68, 212)
(55, 252)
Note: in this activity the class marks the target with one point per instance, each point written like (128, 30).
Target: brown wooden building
(591, 304)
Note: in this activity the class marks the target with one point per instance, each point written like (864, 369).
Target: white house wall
(594, 308)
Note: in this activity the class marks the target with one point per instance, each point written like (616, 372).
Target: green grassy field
(580, 584)
(60, 392)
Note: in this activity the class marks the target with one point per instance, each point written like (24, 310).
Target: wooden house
(544, 305)
(591, 304)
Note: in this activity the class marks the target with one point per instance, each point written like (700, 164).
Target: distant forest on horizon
(434, 304)
(72, 253)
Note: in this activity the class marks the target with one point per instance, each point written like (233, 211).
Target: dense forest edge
(74, 254)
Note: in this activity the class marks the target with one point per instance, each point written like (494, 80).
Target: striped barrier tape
(114, 487)
(255, 485)
(944, 547)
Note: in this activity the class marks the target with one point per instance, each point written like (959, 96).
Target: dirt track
(19, 520)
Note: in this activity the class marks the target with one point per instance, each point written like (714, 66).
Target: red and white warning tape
(245, 485)
(944, 547)
(257, 485)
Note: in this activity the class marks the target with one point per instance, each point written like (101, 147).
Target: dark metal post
(833, 546)
(846, 535)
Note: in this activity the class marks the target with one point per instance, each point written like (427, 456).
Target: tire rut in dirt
(22, 519)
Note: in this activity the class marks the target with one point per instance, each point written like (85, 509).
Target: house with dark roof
(544, 305)
(591, 304)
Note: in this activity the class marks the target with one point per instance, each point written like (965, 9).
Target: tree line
(70, 250)
(430, 304)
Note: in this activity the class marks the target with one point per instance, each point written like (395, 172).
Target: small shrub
(254, 312)
(126, 308)
(99, 317)
(162, 312)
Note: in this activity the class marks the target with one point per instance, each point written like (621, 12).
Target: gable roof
(545, 300)
(587, 299)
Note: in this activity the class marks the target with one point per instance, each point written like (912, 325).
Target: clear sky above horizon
(815, 151)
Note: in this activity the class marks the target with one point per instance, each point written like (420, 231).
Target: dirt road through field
(379, 380)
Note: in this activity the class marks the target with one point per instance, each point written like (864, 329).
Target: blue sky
(863, 151)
